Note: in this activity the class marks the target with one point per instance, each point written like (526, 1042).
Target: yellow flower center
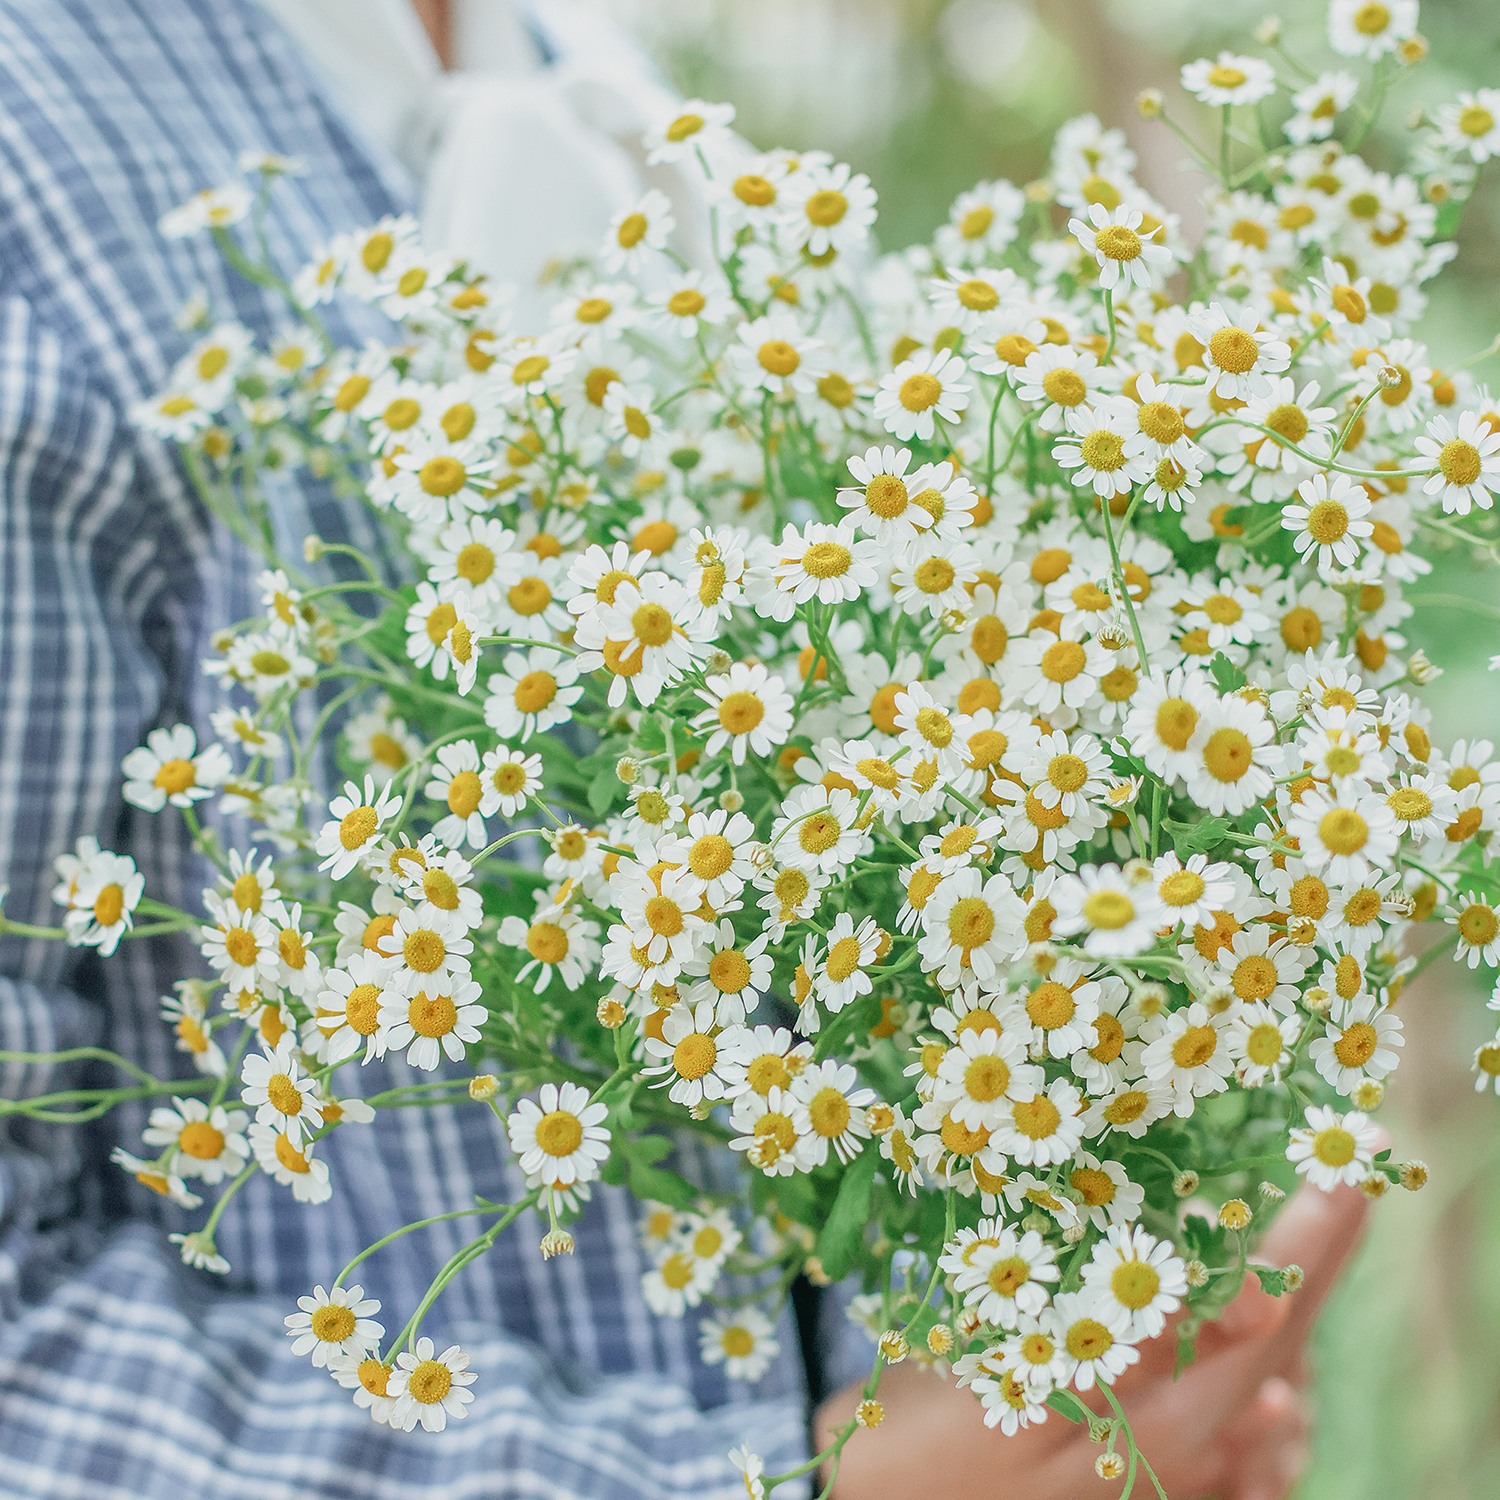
(827, 560)
(1222, 77)
(1064, 386)
(1343, 831)
(559, 1133)
(1460, 462)
(826, 207)
(442, 476)
(829, 1112)
(429, 1382)
(1134, 1284)
(1334, 1147)
(1228, 754)
(777, 357)
(424, 950)
(1051, 1005)
(920, 392)
(432, 1015)
(1037, 1119)
(1195, 1046)
(1234, 350)
(109, 905)
(1103, 450)
(1116, 242)
(687, 303)
(740, 712)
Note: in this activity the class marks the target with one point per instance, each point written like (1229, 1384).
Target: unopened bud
(1292, 1278)
(869, 1413)
(1150, 103)
(1376, 1185)
(627, 769)
(1235, 1214)
(812, 1268)
(1149, 1000)
(1413, 49)
(880, 1117)
(1268, 33)
(1138, 872)
(1270, 1192)
(939, 1339)
(731, 801)
(1185, 1184)
(1389, 377)
(1217, 999)
(968, 1323)
(484, 1087)
(1318, 1000)
(312, 547)
(556, 1242)
(1110, 1466)
(718, 663)
(893, 1346)
(1196, 1273)
(610, 1013)
(1072, 1233)
(1040, 191)
(1414, 1176)
(221, 640)
(1421, 668)
(1368, 1095)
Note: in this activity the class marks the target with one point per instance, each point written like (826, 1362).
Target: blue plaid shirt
(122, 1373)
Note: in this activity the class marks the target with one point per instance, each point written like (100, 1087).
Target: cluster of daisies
(928, 722)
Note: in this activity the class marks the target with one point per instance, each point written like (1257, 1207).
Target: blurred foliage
(929, 96)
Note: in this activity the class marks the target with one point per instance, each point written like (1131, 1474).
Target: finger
(1262, 1445)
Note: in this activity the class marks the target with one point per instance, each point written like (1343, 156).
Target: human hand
(1234, 1426)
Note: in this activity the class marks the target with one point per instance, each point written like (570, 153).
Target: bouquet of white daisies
(937, 725)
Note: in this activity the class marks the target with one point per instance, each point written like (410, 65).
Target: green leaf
(660, 1185)
(1066, 1404)
(845, 1227)
(1195, 838)
(603, 790)
(1226, 674)
(1272, 1281)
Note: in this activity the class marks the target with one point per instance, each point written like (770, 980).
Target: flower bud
(718, 663)
(312, 547)
(610, 1013)
(1185, 1184)
(1150, 103)
(1367, 1095)
(627, 770)
(1389, 377)
(939, 1339)
(1040, 191)
(1110, 1466)
(1235, 1214)
(812, 1268)
(732, 800)
(1270, 1192)
(484, 1087)
(1376, 1185)
(1292, 1278)
(1414, 1176)
(893, 1346)
(1268, 33)
(1196, 1273)
(556, 1242)
(869, 1414)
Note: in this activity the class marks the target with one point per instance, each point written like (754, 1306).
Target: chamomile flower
(775, 1133)
(1466, 456)
(429, 1387)
(1095, 448)
(169, 768)
(1357, 1043)
(1333, 1148)
(1189, 1051)
(456, 783)
(560, 1133)
(1318, 104)
(204, 1142)
(1125, 255)
(831, 1110)
(291, 1162)
(510, 779)
(1133, 1272)
(1229, 79)
(730, 973)
(827, 208)
(1357, 28)
(353, 825)
(1235, 756)
(928, 387)
(1042, 1130)
(282, 1098)
(1478, 931)
(1008, 1276)
(743, 1342)
(749, 711)
(1329, 521)
(334, 1323)
(1238, 354)
(1117, 915)
(1471, 125)
(1343, 832)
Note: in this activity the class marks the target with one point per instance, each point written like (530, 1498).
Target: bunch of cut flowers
(938, 725)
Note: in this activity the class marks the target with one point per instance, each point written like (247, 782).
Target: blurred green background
(929, 96)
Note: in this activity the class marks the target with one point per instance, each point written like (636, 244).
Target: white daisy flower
(1478, 931)
(353, 826)
(1043, 1130)
(774, 1131)
(510, 780)
(776, 355)
(928, 387)
(150, 1174)
(205, 1142)
(1092, 1336)
(1357, 1043)
(1118, 915)
(1329, 521)
(1125, 256)
(425, 949)
(1189, 1050)
(558, 940)
(1137, 1274)
(1237, 354)
(970, 927)
(982, 1075)
(169, 768)
(1318, 104)
(455, 781)
(1130, 1108)
(1358, 28)
(830, 1110)
(1095, 448)
(743, 1342)
(291, 1163)
(431, 1023)
(1229, 79)
(749, 711)
(242, 947)
(1236, 756)
(348, 1008)
(428, 1387)
(1343, 833)
(1009, 1277)
(817, 829)
(1109, 1197)
(1262, 1043)
(334, 1323)
(1467, 459)
(283, 1099)
(827, 208)
(560, 1132)
(1471, 125)
(1333, 1148)
(696, 125)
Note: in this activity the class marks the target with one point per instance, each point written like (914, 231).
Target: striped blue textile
(122, 1373)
